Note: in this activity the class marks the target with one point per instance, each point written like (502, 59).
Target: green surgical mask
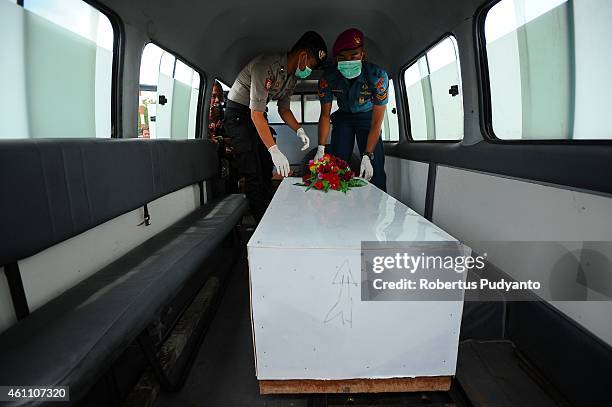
(303, 73)
(350, 69)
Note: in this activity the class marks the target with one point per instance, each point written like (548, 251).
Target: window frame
(302, 95)
(484, 90)
(404, 91)
(117, 64)
(201, 91)
(399, 106)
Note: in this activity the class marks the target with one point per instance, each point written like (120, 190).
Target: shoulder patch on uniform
(323, 83)
(380, 82)
(268, 84)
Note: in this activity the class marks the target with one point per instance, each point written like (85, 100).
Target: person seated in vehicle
(228, 182)
(215, 113)
(267, 77)
(361, 89)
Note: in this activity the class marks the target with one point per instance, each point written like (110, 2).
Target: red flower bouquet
(328, 173)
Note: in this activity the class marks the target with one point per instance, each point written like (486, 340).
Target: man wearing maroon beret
(361, 89)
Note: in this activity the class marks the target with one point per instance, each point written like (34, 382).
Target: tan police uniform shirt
(263, 79)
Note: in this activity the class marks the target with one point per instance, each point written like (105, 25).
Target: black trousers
(251, 159)
(350, 126)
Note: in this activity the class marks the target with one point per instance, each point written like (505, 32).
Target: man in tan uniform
(265, 78)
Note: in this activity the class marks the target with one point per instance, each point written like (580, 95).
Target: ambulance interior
(496, 130)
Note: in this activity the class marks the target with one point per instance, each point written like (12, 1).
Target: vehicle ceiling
(221, 36)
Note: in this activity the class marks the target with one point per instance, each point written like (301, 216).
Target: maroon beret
(349, 39)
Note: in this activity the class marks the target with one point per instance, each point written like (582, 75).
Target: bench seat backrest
(52, 190)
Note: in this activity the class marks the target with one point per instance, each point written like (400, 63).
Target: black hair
(313, 44)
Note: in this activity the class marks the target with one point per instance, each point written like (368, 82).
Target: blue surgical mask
(350, 69)
(303, 73)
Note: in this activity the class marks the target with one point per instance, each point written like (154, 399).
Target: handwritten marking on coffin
(343, 307)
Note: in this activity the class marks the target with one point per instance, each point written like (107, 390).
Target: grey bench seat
(73, 339)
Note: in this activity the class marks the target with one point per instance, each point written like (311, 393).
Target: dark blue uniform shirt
(356, 95)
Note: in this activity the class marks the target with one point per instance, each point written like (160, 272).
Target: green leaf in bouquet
(356, 182)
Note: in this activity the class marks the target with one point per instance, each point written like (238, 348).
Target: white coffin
(305, 241)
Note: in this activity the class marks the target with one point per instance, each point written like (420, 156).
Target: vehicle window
(549, 69)
(434, 94)
(312, 108)
(168, 97)
(390, 128)
(296, 108)
(58, 81)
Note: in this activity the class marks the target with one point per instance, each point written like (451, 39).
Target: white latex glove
(279, 160)
(320, 153)
(366, 171)
(301, 133)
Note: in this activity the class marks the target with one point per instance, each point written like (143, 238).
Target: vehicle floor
(223, 373)
(493, 373)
